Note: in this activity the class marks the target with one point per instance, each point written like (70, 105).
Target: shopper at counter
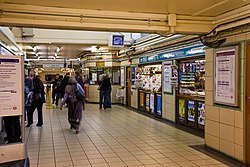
(104, 87)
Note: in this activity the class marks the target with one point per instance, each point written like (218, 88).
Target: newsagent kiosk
(172, 85)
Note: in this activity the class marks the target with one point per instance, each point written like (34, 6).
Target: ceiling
(181, 7)
(143, 16)
(60, 51)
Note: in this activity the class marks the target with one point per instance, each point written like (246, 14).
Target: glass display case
(149, 78)
(192, 78)
(191, 97)
(96, 72)
(149, 81)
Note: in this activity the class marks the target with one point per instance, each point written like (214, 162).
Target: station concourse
(128, 83)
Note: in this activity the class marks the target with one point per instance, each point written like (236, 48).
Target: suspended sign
(53, 65)
(185, 52)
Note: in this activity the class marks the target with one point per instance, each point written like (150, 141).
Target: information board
(133, 76)
(11, 85)
(226, 76)
(167, 74)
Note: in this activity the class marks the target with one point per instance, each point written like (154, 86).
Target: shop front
(148, 80)
(191, 93)
(172, 85)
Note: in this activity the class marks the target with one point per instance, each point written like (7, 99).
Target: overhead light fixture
(37, 54)
(35, 48)
(55, 54)
(58, 49)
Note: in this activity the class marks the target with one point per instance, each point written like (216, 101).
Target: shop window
(192, 78)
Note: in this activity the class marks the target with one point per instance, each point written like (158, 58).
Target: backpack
(36, 98)
(79, 92)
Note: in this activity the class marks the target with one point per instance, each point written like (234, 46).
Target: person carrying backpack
(36, 99)
(73, 97)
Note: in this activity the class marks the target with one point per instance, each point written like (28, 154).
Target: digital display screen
(118, 40)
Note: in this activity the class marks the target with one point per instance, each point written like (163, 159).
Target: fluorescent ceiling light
(35, 48)
(58, 49)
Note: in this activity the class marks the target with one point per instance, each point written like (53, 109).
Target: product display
(192, 78)
(149, 78)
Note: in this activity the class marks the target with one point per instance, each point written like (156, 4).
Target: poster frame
(236, 81)
(170, 63)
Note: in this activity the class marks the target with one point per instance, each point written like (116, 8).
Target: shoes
(39, 124)
(28, 125)
(104, 108)
(77, 131)
(100, 108)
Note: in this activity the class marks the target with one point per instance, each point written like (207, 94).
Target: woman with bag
(74, 103)
(36, 99)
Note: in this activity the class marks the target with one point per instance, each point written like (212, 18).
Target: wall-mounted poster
(182, 109)
(191, 111)
(11, 85)
(147, 102)
(133, 75)
(226, 76)
(167, 74)
(122, 76)
(152, 103)
(158, 105)
(201, 113)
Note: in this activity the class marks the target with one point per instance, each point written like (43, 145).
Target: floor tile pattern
(114, 137)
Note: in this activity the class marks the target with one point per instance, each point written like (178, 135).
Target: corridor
(115, 137)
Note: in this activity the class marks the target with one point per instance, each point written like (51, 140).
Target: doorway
(248, 104)
(128, 87)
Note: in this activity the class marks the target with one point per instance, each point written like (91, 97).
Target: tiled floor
(116, 137)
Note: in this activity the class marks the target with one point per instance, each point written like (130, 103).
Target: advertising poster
(201, 113)
(122, 76)
(181, 110)
(191, 111)
(11, 87)
(159, 105)
(152, 103)
(142, 99)
(147, 102)
(167, 74)
(133, 75)
(226, 82)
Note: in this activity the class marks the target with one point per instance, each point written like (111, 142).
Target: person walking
(64, 84)
(12, 129)
(109, 92)
(36, 98)
(74, 104)
(81, 82)
(28, 86)
(56, 89)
